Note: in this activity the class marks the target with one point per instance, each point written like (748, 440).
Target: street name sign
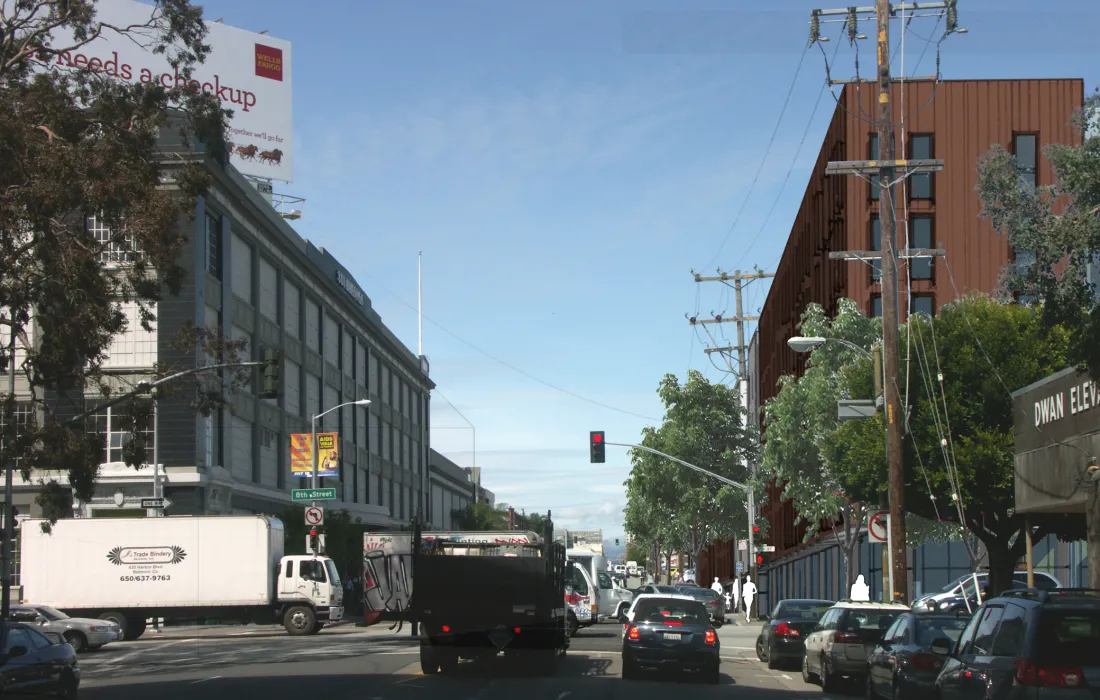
(298, 495)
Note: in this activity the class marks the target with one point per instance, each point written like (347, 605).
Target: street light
(313, 433)
(808, 344)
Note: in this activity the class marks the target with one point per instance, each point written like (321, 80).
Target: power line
(763, 160)
(509, 365)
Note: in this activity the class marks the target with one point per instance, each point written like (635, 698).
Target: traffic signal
(756, 529)
(759, 559)
(616, 541)
(271, 374)
(596, 445)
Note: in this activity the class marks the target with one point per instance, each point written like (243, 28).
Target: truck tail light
(446, 628)
(710, 637)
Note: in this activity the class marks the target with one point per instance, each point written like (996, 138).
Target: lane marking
(137, 652)
(565, 694)
(203, 680)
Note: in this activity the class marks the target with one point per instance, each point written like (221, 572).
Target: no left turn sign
(877, 528)
(315, 515)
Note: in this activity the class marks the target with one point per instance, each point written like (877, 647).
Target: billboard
(248, 72)
(301, 454)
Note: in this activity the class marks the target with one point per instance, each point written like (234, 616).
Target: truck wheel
(119, 619)
(134, 629)
(299, 620)
(448, 660)
(429, 660)
(318, 627)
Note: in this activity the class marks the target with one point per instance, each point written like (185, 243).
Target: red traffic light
(312, 533)
(759, 558)
(596, 437)
(755, 529)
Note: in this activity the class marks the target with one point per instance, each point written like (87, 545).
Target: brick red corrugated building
(957, 121)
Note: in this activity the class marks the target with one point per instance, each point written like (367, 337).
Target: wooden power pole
(886, 169)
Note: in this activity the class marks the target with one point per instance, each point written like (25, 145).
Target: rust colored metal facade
(957, 121)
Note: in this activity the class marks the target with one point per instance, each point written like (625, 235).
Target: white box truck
(179, 568)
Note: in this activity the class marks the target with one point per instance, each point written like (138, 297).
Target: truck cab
(310, 593)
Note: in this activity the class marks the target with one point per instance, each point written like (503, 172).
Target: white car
(81, 633)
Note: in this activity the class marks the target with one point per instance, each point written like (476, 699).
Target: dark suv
(1030, 643)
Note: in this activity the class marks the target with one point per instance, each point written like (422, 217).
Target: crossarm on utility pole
(689, 465)
(145, 387)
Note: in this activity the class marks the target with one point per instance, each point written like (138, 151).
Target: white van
(581, 597)
(609, 598)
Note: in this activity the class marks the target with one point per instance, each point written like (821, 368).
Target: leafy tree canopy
(959, 450)
(77, 144)
(667, 502)
(1057, 226)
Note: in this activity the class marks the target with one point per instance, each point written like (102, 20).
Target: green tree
(803, 416)
(703, 425)
(959, 450)
(1056, 229)
(76, 143)
(638, 552)
(479, 516)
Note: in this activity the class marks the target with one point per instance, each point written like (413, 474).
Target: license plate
(672, 636)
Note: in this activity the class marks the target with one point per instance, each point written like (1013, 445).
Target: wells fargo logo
(146, 555)
(269, 62)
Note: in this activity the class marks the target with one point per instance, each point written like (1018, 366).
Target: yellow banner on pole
(301, 454)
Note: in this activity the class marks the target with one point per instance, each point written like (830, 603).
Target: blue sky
(563, 166)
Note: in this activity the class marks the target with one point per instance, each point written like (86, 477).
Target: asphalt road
(375, 664)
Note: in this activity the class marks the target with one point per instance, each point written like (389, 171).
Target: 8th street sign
(298, 495)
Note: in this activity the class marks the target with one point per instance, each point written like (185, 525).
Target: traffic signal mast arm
(689, 465)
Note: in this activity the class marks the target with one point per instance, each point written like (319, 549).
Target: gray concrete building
(449, 490)
(251, 276)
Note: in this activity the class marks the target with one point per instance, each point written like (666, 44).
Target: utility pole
(9, 506)
(738, 279)
(885, 168)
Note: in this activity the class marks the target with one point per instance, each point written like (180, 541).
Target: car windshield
(808, 610)
(660, 610)
(49, 613)
(666, 589)
(932, 628)
(333, 577)
(702, 593)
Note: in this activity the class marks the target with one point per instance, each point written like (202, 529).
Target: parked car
(669, 632)
(80, 633)
(963, 586)
(902, 664)
(783, 637)
(1025, 644)
(841, 640)
(36, 663)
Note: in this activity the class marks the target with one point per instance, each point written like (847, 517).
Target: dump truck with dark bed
(470, 594)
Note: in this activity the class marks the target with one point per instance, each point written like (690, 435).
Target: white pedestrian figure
(735, 594)
(860, 590)
(747, 592)
(717, 587)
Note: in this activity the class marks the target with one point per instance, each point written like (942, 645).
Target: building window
(347, 354)
(209, 440)
(361, 364)
(872, 152)
(876, 245)
(1025, 149)
(386, 385)
(374, 433)
(213, 246)
(23, 417)
(114, 425)
(313, 326)
(241, 257)
(134, 346)
(332, 340)
(920, 184)
(313, 395)
(292, 314)
(876, 306)
(292, 387)
(332, 420)
(920, 236)
(361, 439)
(922, 304)
(113, 249)
(244, 354)
(269, 291)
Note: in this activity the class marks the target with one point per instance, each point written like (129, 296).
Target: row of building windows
(919, 304)
(918, 185)
(302, 319)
